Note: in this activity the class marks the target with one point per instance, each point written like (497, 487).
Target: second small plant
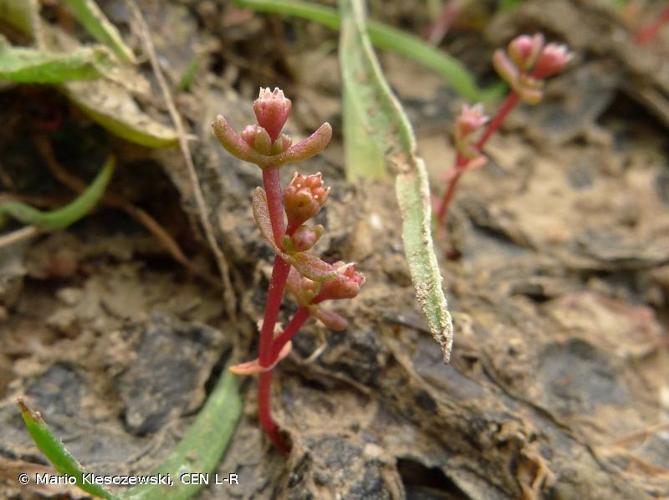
(526, 63)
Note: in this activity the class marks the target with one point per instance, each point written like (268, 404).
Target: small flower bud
(525, 49)
(303, 289)
(258, 138)
(529, 89)
(470, 120)
(304, 197)
(345, 285)
(552, 60)
(272, 109)
(303, 239)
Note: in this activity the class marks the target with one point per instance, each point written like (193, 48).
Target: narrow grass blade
(203, 446)
(93, 19)
(55, 451)
(387, 38)
(25, 65)
(199, 451)
(21, 14)
(67, 215)
(383, 122)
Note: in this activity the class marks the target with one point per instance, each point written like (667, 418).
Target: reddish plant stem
(648, 33)
(301, 316)
(461, 163)
(272, 185)
(503, 111)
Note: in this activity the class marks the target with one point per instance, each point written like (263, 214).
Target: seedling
(281, 216)
(526, 63)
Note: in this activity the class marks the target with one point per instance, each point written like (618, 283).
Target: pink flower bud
(258, 138)
(272, 109)
(525, 49)
(303, 289)
(304, 238)
(304, 197)
(470, 120)
(552, 60)
(345, 285)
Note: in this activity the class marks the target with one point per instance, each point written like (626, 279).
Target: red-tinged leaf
(254, 368)
(308, 147)
(330, 319)
(235, 144)
(261, 216)
(312, 267)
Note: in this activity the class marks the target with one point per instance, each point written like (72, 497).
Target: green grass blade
(25, 65)
(199, 451)
(385, 37)
(384, 123)
(203, 446)
(21, 14)
(67, 215)
(92, 18)
(55, 451)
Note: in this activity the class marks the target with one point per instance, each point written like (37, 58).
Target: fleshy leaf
(254, 368)
(311, 267)
(390, 128)
(261, 216)
(330, 319)
(308, 147)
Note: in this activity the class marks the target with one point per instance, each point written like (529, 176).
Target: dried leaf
(382, 121)
(114, 108)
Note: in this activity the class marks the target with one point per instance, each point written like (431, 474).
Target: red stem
(461, 162)
(301, 316)
(272, 185)
(646, 34)
(504, 110)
